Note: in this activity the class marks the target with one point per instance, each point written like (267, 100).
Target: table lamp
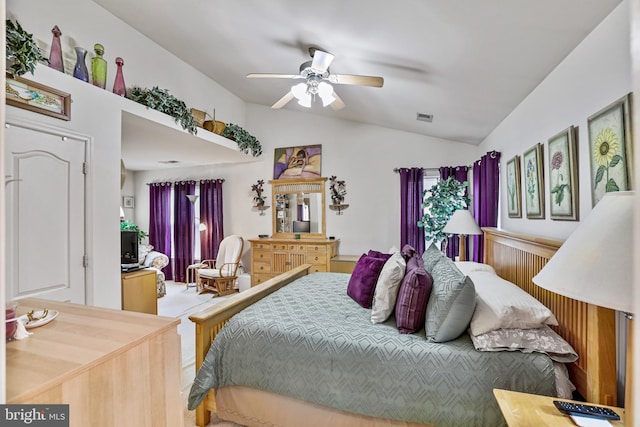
(462, 224)
(594, 264)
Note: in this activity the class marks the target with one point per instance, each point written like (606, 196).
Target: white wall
(97, 113)
(594, 75)
(362, 155)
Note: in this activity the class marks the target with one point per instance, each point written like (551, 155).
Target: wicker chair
(219, 275)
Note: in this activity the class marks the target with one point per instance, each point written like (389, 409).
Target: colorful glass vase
(118, 85)
(99, 67)
(55, 56)
(80, 70)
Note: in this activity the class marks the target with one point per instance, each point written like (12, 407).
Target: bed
(515, 257)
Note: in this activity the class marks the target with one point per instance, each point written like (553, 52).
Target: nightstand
(532, 410)
(344, 263)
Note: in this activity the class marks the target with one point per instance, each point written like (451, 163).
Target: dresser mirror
(299, 208)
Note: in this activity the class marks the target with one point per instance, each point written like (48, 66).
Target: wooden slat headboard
(589, 329)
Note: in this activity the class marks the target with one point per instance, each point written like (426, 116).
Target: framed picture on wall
(32, 96)
(610, 150)
(127, 202)
(514, 198)
(563, 175)
(533, 182)
(304, 161)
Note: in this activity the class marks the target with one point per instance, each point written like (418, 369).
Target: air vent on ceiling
(424, 117)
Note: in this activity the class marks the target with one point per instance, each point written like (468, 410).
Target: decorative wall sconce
(338, 190)
(259, 199)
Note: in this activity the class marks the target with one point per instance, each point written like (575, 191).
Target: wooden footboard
(209, 322)
(589, 329)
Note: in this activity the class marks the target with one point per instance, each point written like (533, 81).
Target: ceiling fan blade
(338, 104)
(273, 76)
(321, 60)
(351, 79)
(283, 101)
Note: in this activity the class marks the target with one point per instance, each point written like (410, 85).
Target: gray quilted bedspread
(311, 341)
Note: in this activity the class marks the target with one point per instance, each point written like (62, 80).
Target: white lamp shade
(299, 90)
(594, 264)
(462, 222)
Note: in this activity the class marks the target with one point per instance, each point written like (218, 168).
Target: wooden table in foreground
(532, 410)
(344, 263)
(113, 368)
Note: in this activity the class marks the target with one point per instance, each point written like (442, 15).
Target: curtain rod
(181, 180)
(396, 170)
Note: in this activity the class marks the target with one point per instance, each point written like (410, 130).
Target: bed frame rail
(209, 322)
(589, 329)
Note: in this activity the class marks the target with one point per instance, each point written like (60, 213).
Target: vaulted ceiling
(468, 63)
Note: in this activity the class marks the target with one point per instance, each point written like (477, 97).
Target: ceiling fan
(318, 80)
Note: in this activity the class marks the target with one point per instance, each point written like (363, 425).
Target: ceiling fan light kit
(318, 82)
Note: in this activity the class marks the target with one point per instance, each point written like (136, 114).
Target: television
(301, 226)
(128, 247)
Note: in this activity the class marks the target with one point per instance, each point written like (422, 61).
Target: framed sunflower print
(514, 198)
(534, 180)
(563, 175)
(610, 151)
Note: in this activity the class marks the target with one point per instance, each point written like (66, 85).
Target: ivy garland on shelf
(161, 100)
(246, 142)
(22, 51)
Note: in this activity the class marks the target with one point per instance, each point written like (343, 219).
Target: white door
(45, 213)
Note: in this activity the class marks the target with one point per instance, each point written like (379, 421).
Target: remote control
(571, 408)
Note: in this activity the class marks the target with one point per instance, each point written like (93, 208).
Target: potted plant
(246, 142)
(22, 52)
(440, 201)
(161, 100)
(129, 226)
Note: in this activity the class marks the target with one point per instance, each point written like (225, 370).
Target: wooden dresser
(270, 257)
(113, 368)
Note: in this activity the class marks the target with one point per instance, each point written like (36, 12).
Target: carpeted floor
(180, 302)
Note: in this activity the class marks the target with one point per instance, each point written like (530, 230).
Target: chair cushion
(229, 253)
(209, 273)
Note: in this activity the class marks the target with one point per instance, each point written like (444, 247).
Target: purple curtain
(411, 189)
(486, 185)
(460, 174)
(211, 215)
(160, 222)
(183, 229)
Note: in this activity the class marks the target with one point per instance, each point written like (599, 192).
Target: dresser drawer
(256, 279)
(280, 247)
(261, 267)
(297, 247)
(263, 246)
(318, 268)
(317, 258)
(317, 248)
(261, 256)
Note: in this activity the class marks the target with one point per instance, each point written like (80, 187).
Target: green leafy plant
(22, 52)
(129, 226)
(246, 142)
(161, 100)
(441, 201)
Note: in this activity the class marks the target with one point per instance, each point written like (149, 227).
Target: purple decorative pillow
(376, 254)
(362, 283)
(408, 252)
(415, 290)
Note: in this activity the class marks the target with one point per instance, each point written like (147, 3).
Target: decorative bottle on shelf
(80, 70)
(99, 67)
(55, 56)
(118, 85)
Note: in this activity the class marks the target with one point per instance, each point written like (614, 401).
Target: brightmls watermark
(34, 415)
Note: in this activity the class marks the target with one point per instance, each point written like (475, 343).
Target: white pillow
(468, 267)
(502, 305)
(387, 287)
